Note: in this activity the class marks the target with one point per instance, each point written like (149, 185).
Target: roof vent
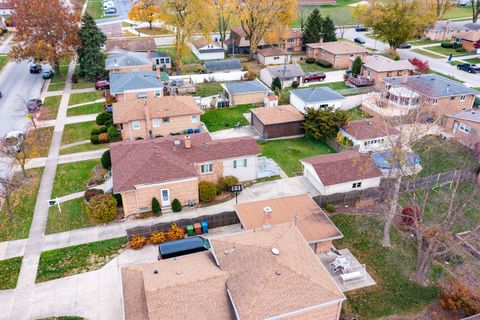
(275, 251)
(278, 272)
(225, 252)
(155, 271)
(179, 273)
(176, 142)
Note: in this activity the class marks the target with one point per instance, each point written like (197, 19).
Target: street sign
(236, 188)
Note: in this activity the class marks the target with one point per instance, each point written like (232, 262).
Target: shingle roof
(134, 80)
(158, 107)
(270, 52)
(432, 85)
(126, 59)
(275, 115)
(383, 64)
(472, 115)
(369, 129)
(343, 167)
(454, 26)
(202, 42)
(289, 70)
(317, 94)
(339, 47)
(222, 65)
(137, 44)
(157, 160)
(240, 87)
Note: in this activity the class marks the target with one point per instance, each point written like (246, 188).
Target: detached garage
(277, 122)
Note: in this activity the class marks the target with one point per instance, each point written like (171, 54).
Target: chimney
(158, 72)
(405, 77)
(320, 41)
(188, 142)
(448, 88)
(267, 217)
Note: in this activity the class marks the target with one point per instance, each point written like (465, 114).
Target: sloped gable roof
(134, 80)
(317, 94)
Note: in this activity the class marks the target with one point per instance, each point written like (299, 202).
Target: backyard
(73, 177)
(288, 152)
(208, 89)
(225, 118)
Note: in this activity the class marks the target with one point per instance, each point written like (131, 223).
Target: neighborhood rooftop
(241, 87)
(280, 114)
(127, 59)
(472, 115)
(383, 64)
(317, 94)
(431, 85)
(134, 80)
(339, 47)
(364, 129)
(222, 65)
(271, 52)
(137, 44)
(286, 71)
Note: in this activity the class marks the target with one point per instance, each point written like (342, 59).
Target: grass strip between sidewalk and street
(9, 271)
(50, 108)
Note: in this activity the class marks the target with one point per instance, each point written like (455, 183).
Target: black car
(404, 46)
(182, 247)
(472, 68)
(359, 40)
(361, 29)
(35, 68)
(47, 74)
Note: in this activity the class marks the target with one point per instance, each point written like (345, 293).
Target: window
(337, 57)
(239, 163)
(356, 185)
(155, 123)
(276, 58)
(462, 98)
(464, 128)
(157, 93)
(290, 40)
(194, 118)
(206, 168)
(351, 55)
(434, 101)
(452, 98)
(136, 124)
(167, 60)
(322, 52)
(141, 95)
(369, 73)
(166, 119)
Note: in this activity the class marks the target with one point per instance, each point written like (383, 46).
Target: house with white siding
(315, 98)
(205, 50)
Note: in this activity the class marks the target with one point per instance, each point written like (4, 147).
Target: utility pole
(284, 69)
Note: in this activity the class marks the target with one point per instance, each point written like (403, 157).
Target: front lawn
(57, 83)
(209, 89)
(72, 217)
(73, 177)
(95, 9)
(23, 203)
(288, 152)
(9, 270)
(473, 60)
(75, 132)
(83, 148)
(77, 98)
(225, 118)
(313, 67)
(73, 260)
(394, 293)
(50, 108)
(437, 155)
(3, 61)
(86, 109)
(447, 51)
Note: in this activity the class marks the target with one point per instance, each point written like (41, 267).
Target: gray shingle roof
(134, 80)
(126, 59)
(472, 115)
(222, 65)
(432, 85)
(246, 87)
(291, 70)
(317, 94)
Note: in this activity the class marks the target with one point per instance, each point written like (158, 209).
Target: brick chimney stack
(157, 69)
(188, 142)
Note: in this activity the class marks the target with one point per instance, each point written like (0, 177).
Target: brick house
(445, 30)
(293, 41)
(170, 168)
(467, 40)
(137, 84)
(155, 117)
(377, 67)
(340, 54)
(464, 126)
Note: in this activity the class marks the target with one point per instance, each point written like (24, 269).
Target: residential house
(464, 126)
(315, 98)
(271, 56)
(444, 30)
(141, 44)
(311, 221)
(467, 40)
(170, 168)
(256, 274)
(370, 135)
(293, 41)
(226, 65)
(137, 84)
(341, 172)
(435, 95)
(377, 67)
(156, 117)
(205, 50)
(238, 41)
(245, 92)
(340, 54)
(125, 61)
(288, 74)
(277, 122)
(6, 9)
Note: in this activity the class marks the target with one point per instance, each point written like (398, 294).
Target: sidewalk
(66, 158)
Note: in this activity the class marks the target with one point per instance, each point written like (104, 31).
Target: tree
(42, 36)
(303, 13)
(276, 84)
(475, 10)
(7, 186)
(156, 208)
(145, 11)
(421, 66)
(102, 208)
(106, 160)
(225, 12)
(441, 6)
(341, 19)
(313, 27)
(257, 17)
(329, 30)
(323, 122)
(396, 21)
(207, 191)
(90, 55)
(357, 66)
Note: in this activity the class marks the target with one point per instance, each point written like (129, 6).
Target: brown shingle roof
(139, 45)
(157, 160)
(339, 47)
(158, 107)
(344, 167)
(275, 115)
(369, 129)
(311, 221)
(270, 52)
(265, 285)
(383, 64)
(202, 42)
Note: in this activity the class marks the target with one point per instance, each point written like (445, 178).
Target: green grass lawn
(341, 9)
(189, 57)
(85, 109)
(313, 67)
(95, 9)
(209, 89)
(68, 261)
(83, 84)
(357, 114)
(23, 203)
(73, 177)
(3, 61)
(225, 118)
(288, 152)
(50, 107)
(394, 293)
(447, 51)
(458, 12)
(422, 42)
(83, 148)
(437, 155)
(56, 86)
(77, 98)
(78, 131)
(155, 31)
(47, 133)
(72, 217)
(57, 83)
(428, 54)
(9, 270)
(473, 60)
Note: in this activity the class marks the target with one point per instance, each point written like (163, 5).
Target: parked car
(35, 68)
(359, 40)
(361, 28)
(404, 46)
(110, 10)
(47, 74)
(314, 76)
(182, 247)
(471, 68)
(102, 85)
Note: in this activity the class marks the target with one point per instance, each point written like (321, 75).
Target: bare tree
(475, 9)
(303, 13)
(341, 22)
(441, 6)
(7, 186)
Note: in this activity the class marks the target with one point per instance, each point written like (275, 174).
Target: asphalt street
(123, 7)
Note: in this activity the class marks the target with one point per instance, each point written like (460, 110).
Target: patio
(348, 283)
(375, 105)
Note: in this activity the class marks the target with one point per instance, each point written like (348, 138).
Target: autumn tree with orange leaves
(46, 31)
(145, 11)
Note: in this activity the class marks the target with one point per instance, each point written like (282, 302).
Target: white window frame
(462, 98)
(356, 185)
(194, 118)
(157, 93)
(464, 128)
(240, 163)
(155, 123)
(206, 168)
(136, 124)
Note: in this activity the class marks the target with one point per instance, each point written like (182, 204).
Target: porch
(358, 81)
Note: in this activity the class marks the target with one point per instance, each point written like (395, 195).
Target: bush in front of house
(112, 133)
(323, 63)
(158, 237)
(329, 208)
(99, 130)
(103, 137)
(310, 60)
(74, 78)
(176, 205)
(106, 160)
(90, 193)
(118, 197)
(227, 182)
(156, 209)
(175, 233)
(447, 45)
(103, 117)
(94, 139)
(207, 191)
(137, 242)
(102, 208)
(250, 75)
(461, 50)
(295, 84)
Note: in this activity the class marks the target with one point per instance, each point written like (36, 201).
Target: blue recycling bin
(204, 226)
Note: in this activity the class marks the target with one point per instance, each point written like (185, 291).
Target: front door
(165, 193)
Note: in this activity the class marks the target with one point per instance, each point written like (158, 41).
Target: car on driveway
(35, 68)
(361, 28)
(314, 76)
(47, 74)
(404, 46)
(359, 40)
(471, 68)
(110, 11)
(102, 85)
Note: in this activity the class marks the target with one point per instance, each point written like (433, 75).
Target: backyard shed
(277, 122)
(245, 92)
